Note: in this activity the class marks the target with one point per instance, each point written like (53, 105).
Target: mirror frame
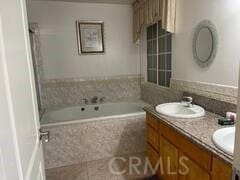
(205, 24)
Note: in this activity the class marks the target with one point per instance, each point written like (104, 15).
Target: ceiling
(99, 1)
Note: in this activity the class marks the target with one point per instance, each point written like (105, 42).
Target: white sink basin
(224, 139)
(178, 110)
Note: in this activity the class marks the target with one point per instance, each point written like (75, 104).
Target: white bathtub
(88, 113)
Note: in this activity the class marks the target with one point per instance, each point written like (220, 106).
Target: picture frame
(90, 37)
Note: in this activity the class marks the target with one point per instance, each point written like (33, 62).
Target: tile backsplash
(213, 91)
(64, 92)
(218, 99)
(212, 105)
(154, 94)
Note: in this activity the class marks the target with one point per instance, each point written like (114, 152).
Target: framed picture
(90, 37)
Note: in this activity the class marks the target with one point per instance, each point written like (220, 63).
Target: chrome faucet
(102, 99)
(85, 100)
(94, 100)
(187, 101)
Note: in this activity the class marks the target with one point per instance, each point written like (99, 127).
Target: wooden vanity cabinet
(178, 154)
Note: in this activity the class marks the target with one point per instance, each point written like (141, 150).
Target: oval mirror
(205, 43)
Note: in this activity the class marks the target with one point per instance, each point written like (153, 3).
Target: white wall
(59, 41)
(225, 15)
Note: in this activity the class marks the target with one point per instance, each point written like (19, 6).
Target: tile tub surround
(64, 92)
(154, 94)
(84, 142)
(212, 105)
(198, 130)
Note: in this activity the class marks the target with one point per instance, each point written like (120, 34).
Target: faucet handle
(94, 99)
(187, 101)
(85, 100)
(102, 99)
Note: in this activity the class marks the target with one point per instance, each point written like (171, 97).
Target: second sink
(224, 139)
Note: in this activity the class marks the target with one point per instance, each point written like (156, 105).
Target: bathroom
(120, 89)
(92, 103)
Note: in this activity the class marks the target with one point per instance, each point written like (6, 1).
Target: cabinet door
(152, 155)
(189, 170)
(169, 155)
(221, 170)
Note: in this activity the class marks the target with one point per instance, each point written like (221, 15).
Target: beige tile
(139, 171)
(103, 177)
(155, 95)
(65, 92)
(81, 142)
(74, 172)
(99, 170)
(214, 91)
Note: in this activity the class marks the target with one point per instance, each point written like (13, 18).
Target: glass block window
(159, 55)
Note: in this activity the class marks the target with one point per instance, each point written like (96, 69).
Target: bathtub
(92, 112)
(92, 132)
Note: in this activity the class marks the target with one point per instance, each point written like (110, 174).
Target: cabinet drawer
(152, 155)
(152, 121)
(152, 137)
(192, 150)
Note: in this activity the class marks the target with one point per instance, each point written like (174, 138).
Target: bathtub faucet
(102, 99)
(94, 100)
(187, 101)
(85, 100)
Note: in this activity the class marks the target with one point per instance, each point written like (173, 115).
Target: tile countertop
(198, 131)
